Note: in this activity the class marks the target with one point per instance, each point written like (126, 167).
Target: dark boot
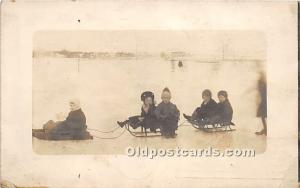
(173, 134)
(187, 117)
(169, 132)
(167, 135)
(261, 132)
(122, 124)
(264, 131)
(163, 131)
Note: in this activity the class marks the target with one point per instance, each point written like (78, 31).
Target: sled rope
(100, 131)
(182, 123)
(114, 137)
(126, 128)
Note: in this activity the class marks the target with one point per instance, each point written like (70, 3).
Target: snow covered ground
(109, 90)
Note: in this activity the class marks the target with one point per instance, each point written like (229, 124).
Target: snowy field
(109, 90)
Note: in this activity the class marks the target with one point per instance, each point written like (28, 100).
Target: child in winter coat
(167, 115)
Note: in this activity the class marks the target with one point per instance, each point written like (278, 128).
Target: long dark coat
(150, 120)
(73, 126)
(224, 112)
(205, 111)
(262, 107)
(168, 116)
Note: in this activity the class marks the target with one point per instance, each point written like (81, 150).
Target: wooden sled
(40, 134)
(143, 133)
(218, 127)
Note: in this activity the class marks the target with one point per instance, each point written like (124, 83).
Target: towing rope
(126, 128)
(111, 131)
(114, 137)
(182, 123)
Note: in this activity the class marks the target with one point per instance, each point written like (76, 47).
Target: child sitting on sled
(203, 114)
(147, 119)
(167, 115)
(224, 110)
(72, 128)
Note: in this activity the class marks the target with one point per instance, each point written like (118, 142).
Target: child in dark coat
(224, 110)
(203, 114)
(72, 128)
(147, 119)
(167, 115)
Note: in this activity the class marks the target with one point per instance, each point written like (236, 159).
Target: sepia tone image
(98, 92)
(149, 94)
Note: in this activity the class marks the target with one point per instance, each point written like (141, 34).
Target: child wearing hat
(72, 128)
(167, 115)
(224, 110)
(203, 114)
(147, 119)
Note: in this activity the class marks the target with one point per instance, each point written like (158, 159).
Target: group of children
(165, 115)
(211, 112)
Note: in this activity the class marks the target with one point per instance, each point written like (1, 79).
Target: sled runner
(143, 133)
(217, 127)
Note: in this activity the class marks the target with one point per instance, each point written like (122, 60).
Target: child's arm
(227, 114)
(158, 113)
(177, 112)
(174, 112)
(143, 114)
(195, 114)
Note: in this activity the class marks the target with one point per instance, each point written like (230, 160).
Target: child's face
(72, 106)
(205, 98)
(166, 97)
(148, 101)
(221, 98)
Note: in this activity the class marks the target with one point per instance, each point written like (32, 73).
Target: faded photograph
(99, 92)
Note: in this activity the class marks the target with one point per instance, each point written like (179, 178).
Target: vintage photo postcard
(149, 94)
